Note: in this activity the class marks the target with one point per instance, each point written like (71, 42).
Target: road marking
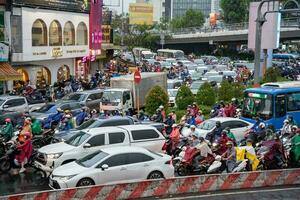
(233, 193)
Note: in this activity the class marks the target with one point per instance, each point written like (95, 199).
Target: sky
(116, 5)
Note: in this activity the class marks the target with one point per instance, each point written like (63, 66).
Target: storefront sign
(3, 52)
(95, 25)
(106, 34)
(66, 5)
(57, 52)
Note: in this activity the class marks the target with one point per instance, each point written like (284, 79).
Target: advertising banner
(140, 13)
(65, 5)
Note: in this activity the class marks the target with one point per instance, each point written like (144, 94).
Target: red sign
(137, 77)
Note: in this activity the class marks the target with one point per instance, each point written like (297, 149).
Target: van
(14, 103)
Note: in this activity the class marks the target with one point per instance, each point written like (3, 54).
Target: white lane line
(232, 193)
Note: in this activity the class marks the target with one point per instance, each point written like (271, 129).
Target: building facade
(179, 7)
(46, 41)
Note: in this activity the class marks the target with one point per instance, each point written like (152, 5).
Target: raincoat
(25, 151)
(36, 127)
(296, 147)
(8, 131)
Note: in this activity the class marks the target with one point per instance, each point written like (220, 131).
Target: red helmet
(8, 120)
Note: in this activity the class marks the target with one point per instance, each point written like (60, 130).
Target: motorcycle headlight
(54, 156)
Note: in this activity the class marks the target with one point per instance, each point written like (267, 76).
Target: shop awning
(8, 73)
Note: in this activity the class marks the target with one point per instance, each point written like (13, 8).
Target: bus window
(293, 103)
(280, 106)
(256, 104)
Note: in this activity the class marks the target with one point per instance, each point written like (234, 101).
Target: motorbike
(8, 161)
(39, 141)
(219, 166)
(188, 165)
(271, 155)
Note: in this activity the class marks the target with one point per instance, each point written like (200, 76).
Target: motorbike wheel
(182, 171)
(5, 165)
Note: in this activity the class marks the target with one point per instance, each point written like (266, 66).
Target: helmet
(194, 103)
(294, 127)
(262, 125)
(286, 121)
(193, 126)
(218, 123)
(174, 125)
(8, 120)
(59, 110)
(161, 107)
(229, 143)
(68, 116)
(227, 129)
(201, 139)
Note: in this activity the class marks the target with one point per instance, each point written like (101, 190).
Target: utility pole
(122, 25)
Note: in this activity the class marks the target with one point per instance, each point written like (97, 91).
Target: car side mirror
(87, 145)
(89, 99)
(104, 167)
(5, 106)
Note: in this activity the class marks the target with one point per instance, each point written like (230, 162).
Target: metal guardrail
(229, 27)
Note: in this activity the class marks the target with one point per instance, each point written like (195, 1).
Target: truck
(123, 94)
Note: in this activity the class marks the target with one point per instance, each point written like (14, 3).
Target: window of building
(82, 34)
(69, 34)
(55, 34)
(39, 33)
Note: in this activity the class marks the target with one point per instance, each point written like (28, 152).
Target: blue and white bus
(271, 104)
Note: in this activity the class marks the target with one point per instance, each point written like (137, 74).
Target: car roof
(100, 130)
(136, 127)
(6, 97)
(224, 119)
(124, 149)
(89, 91)
(112, 118)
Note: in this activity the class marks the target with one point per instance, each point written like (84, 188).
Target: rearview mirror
(89, 99)
(104, 167)
(87, 145)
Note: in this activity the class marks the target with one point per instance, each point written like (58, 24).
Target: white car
(237, 126)
(113, 165)
(88, 141)
(172, 97)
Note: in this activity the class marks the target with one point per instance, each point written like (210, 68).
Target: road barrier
(174, 186)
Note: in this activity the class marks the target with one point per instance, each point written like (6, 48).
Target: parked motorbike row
(274, 151)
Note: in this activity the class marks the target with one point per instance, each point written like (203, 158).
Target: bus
(271, 104)
(169, 53)
(284, 57)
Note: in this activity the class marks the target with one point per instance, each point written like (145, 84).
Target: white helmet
(262, 125)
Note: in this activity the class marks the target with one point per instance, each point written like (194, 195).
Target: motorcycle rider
(175, 136)
(67, 123)
(286, 128)
(26, 128)
(25, 151)
(203, 149)
(193, 131)
(36, 127)
(215, 134)
(158, 117)
(80, 118)
(291, 120)
(54, 119)
(168, 124)
(7, 130)
(295, 150)
(230, 134)
(230, 156)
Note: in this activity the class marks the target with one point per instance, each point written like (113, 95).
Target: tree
(184, 97)
(192, 18)
(235, 11)
(226, 91)
(206, 95)
(156, 96)
(273, 74)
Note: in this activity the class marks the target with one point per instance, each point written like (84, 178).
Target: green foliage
(156, 96)
(184, 97)
(235, 11)
(273, 75)
(192, 18)
(206, 95)
(238, 90)
(226, 91)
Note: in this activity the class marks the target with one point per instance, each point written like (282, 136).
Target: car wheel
(85, 182)
(155, 175)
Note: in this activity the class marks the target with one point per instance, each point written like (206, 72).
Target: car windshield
(86, 124)
(199, 61)
(92, 159)
(48, 108)
(172, 93)
(207, 125)
(75, 97)
(257, 105)
(112, 96)
(78, 139)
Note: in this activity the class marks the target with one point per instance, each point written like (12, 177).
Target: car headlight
(64, 178)
(54, 156)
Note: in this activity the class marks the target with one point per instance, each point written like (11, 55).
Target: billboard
(270, 29)
(95, 26)
(140, 13)
(65, 5)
